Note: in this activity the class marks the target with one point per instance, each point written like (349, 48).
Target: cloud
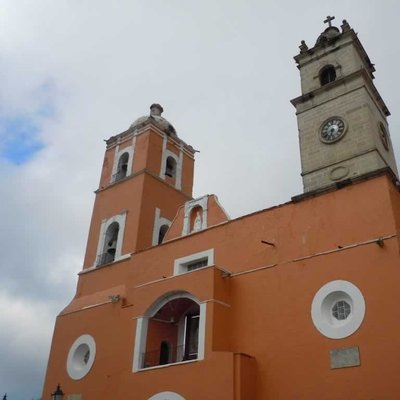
(76, 72)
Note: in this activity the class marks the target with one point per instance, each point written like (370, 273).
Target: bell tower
(147, 175)
(342, 119)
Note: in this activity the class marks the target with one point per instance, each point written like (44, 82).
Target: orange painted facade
(222, 309)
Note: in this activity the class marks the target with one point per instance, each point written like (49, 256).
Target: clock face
(332, 130)
(384, 136)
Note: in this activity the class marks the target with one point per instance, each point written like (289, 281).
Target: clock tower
(342, 119)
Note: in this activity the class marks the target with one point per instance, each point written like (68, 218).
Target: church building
(176, 301)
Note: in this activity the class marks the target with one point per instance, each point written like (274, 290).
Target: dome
(156, 119)
(328, 35)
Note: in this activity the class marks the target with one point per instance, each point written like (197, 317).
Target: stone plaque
(345, 357)
(74, 397)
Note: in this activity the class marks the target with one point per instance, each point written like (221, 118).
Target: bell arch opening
(109, 245)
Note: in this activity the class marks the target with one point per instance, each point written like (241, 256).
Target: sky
(75, 72)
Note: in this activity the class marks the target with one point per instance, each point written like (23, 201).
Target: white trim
(202, 331)
(140, 342)
(178, 159)
(324, 300)
(163, 157)
(167, 396)
(121, 220)
(180, 264)
(115, 163)
(179, 167)
(158, 223)
(189, 205)
(117, 155)
(76, 367)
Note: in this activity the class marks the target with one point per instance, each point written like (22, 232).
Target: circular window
(338, 309)
(81, 357)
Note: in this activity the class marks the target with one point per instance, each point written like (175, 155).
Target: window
(81, 357)
(327, 75)
(338, 309)
(197, 264)
(194, 261)
(341, 310)
(122, 167)
(170, 167)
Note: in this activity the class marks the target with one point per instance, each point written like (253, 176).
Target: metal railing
(174, 355)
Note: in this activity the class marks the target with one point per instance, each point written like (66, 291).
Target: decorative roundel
(332, 130)
(338, 309)
(167, 396)
(384, 136)
(81, 357)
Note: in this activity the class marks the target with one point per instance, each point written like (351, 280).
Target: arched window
(122, 167)
(170, 167)
(327, 75)
(109, 245)
(162, 232)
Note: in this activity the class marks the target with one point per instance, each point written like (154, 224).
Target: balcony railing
(160, 357)
(105, 258)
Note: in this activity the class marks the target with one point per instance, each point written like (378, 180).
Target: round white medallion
(338, 309)
(167, 396)
(81, 357)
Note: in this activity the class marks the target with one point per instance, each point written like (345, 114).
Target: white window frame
(181, 264)
(158, 223)
(75, 367)
(121, 220)
(117, 155)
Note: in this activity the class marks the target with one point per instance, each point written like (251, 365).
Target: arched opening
(172, 332)
(196, 219)
(170, 167)
(327, 75)
(110, 245)
(163, 230)
(122, 167)
(165, 353)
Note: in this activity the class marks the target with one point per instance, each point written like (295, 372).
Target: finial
(156, 109)
(303, 47)
(5, 397)
(329, 20)
(345, 26)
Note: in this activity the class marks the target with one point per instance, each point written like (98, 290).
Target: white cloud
(223, 70)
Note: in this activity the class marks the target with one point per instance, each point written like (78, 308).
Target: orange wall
(263, 313)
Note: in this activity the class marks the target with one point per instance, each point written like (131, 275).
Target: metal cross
(328, 20)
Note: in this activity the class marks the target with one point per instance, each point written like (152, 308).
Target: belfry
(176, 301)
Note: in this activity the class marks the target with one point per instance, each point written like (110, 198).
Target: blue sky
(19, 138)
